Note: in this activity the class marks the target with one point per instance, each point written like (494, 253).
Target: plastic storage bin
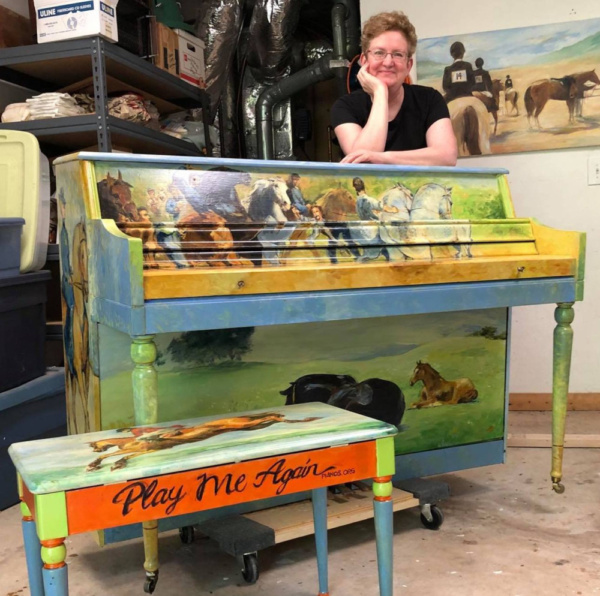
(25, 192)
(35, 410)
(22, 328)
(10, 245)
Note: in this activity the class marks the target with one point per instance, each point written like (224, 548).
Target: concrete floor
(505, 533)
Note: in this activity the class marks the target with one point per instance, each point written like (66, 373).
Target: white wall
(550, 186)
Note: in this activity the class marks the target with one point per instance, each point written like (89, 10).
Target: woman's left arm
(441, 150)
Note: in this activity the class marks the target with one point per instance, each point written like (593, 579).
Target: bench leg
(319, 504)
(32, 553)
(145, 403)
(384, 531)
(55, 568)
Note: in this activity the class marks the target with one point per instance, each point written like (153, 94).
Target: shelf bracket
(100, 99)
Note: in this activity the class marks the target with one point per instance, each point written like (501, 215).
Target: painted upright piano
(200, 286)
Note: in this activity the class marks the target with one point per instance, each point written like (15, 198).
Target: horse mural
(376, 398)
(269, 202)
(338, 206)
(432, 202)
(511, 95)
(437, 391)
(158, 439)
(492, 103)
(471, 125)
(540, 92)
(207, 234)
(116, 201)
(585, 82)
(396, 204)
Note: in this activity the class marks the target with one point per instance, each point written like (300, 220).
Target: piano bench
(87, 482)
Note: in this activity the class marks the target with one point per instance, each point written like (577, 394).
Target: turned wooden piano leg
(32, 553)
(145, 403)
(563, 344)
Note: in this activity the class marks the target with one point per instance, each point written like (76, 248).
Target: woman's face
(393, 67)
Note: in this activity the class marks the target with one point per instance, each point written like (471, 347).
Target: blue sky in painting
(509, 47)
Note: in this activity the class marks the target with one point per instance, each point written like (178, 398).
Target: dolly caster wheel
(433, 518)
(250, 571)
(151, 581)
(187, 534)
(558, 488)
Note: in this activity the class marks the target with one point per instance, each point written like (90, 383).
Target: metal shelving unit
(52, 66)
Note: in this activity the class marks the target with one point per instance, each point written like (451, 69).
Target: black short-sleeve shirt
(422, 106)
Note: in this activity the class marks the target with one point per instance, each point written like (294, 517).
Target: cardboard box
(165, 47)
(72, 19)
(191, 58)
(14, 29)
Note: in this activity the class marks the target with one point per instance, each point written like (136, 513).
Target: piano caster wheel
(437, 518)
(250, 571)
(151, 581)
(186, 534)
(558, 488)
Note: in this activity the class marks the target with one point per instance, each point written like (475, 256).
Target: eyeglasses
(380, 55)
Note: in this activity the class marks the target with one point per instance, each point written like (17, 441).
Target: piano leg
(563, 343)
(145, 403)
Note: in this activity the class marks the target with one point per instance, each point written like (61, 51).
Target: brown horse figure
(492, 103)
(336, 204)
(165, 438)
(437, 391)
(116, 201)
(585, 81)
(539, 92)
(206, 239)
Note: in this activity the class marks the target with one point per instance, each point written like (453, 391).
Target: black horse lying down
(376, 398)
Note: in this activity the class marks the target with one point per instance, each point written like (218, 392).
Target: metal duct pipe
(338, 21)
(352, 24)
(229, 118)
(272, 28)
(218, 24)
(322, 70)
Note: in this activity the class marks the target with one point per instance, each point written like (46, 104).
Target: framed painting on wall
(526, 89)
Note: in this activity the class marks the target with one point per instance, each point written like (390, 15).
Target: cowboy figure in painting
(389, 121)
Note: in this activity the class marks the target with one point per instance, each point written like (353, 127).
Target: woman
(388, 121)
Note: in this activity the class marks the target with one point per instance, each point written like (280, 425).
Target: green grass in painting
(235, 387)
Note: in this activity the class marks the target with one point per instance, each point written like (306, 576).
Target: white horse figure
(267, 203)
(434, 202)
(396, 205)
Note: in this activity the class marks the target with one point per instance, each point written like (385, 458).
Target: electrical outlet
(594, 169)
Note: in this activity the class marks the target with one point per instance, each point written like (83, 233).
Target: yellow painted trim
(386, 461)
(218, 282)
(506, 196)
(550, 241)
(91, 200)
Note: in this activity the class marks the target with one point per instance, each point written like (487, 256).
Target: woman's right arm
(373, 136)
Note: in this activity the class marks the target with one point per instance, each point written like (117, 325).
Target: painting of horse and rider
(508, 92)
